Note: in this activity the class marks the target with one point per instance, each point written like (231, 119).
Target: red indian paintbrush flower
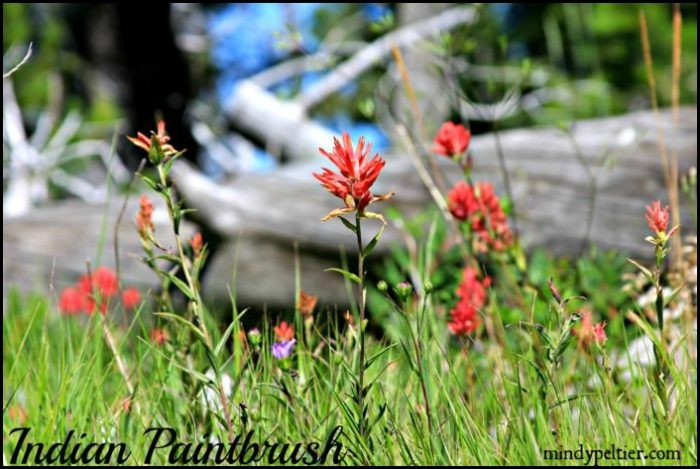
(357, 174)
(103, 281)
(284, 332)
(146, 143)
(599, 332)
(93, 291)
(657, 217)
(588, 332)
(72, 301)
(464, 317)
(481, 208)
(452, 139)
(131, 298)
(306, 304)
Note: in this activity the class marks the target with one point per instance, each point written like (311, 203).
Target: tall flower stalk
(357, 172)
(657, 219)
(162, 155)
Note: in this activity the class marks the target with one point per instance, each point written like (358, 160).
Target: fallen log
(49, 248)
(551, 186)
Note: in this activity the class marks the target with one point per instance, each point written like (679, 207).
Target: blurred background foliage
(591, 50)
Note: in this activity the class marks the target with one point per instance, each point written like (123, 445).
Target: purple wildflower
(281, 350)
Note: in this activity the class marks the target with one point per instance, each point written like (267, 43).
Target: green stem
(197, 300)
(419, 361)
(361, 374)
(661, 371)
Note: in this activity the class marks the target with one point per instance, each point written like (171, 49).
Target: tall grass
(486, 405)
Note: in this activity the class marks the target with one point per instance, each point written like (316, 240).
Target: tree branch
(369, 55)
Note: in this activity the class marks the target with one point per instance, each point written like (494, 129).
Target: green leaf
(409, 357)
(184, 321)
(187, 210)
(566, 336)
(182, 286)
(200, 376)
(150, 183)
(349, 225)
(374, 357)
(380, 414)
(678, 377)
(671, 296)
(348, 275)
(368, 249)
(543, 333)
(647, 273)
(223, 340)
(540, 373)
(166, 257)
(155, 154)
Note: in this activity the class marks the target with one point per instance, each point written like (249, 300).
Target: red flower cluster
(146, 143)
(357, 174)
(101, 285)
(657, 217)
(481, 208)
(131, 298)
(588, 331)
(464, 317)
(284, 332)
(452, 139)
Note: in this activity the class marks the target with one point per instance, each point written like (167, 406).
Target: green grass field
(494, 399)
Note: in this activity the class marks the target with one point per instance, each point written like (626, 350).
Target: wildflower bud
(337, 358)
(306, 304)
(126, 405)
(254, 337)
(403, 290)
(197, 242)
(382, 286)
(451, 140)
(347, 315)
(599, 333)
(364, 325)
(157, 146)
(144, 220)
(159, 336)
(553, 290)
(428, 287)
(155, 152)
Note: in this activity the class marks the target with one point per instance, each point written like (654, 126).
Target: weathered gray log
(550, 186)
(47, 250)
(50, 246)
